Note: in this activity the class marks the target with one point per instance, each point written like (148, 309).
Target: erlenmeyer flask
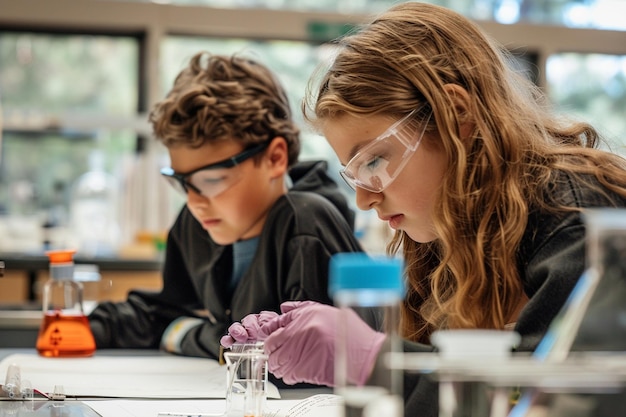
(65, 330)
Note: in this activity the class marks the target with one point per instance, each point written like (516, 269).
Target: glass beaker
(246, 380)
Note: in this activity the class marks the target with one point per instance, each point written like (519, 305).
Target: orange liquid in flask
(63, 335)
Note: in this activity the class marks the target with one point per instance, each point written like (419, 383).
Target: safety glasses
(378, 163)
(212, 179)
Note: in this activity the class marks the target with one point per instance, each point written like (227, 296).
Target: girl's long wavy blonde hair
(468, 277)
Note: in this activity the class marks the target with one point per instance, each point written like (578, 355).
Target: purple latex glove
(301, 344)
(249, 330)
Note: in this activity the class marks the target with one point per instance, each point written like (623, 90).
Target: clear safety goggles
(378, 163)
(212, 179)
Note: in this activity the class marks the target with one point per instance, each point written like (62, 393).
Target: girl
(483, 185)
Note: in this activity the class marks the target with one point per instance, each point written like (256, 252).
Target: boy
(250, 236)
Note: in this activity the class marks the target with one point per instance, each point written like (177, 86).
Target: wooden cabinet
(14, 287)
(23, 280)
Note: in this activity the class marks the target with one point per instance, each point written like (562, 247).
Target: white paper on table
(320, 405)
(162, 376)
(151, 408)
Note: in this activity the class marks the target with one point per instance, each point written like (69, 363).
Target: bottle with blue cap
(373, 287)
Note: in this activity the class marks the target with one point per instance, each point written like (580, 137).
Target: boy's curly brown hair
(220, 97)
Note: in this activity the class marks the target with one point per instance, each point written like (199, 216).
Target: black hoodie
(304, 228)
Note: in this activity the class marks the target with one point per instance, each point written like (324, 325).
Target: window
(592, 87)
(68, 102)
(75, 86)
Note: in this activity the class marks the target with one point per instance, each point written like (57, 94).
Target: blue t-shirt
(243, 253)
